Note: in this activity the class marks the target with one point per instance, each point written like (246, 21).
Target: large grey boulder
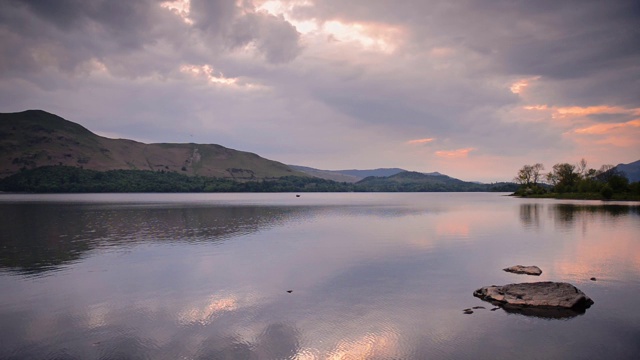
(544, 299)
(521, 269)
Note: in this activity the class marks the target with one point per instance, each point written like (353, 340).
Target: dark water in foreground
(373, 276)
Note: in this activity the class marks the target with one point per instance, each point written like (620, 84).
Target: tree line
(565, 180)
(69, 179)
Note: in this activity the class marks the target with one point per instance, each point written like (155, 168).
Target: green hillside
(35, 138)
(410, 181)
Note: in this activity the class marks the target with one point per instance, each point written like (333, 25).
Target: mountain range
(631, 170)
(36, 138)
(352, 175)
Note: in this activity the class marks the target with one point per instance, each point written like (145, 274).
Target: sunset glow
(420, 141)
(600, 129)
(520, 85)
(458, 153)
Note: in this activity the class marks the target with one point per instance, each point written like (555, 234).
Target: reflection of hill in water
(41, 237)
(565, 215)
(38, 237)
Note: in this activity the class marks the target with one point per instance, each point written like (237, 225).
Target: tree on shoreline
(568, 178)
(528, 178)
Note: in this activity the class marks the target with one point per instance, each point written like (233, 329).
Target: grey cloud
(560, 40)
(133, 38)
(62, 35)
(213, 17)
(123, 24)
(613, 86)
(585, 51)
(274, 37)
(237, 26)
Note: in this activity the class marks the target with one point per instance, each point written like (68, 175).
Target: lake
(320, 276)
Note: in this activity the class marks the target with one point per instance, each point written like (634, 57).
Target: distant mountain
(327, 174)
(383, 172)
(350, 176)
(631, 170)
(410, 181)
(36, 138)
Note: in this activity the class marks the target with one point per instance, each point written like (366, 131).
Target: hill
(353, 175)
(384, 172)
(409, 181)
(631, 170)
(350, 176)
(36, 138)
(332, 175)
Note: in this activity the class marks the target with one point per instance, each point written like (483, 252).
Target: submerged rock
(521, 269)
(543, 299)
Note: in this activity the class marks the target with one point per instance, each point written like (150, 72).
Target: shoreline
(580, 196)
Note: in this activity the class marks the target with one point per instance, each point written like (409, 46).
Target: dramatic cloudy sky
(470, 88)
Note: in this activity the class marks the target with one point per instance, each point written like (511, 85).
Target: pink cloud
(601, 129)
(458, 153)
(420, 141)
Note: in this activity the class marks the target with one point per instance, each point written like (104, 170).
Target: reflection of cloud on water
(596, 240)
(206, 313)
(382, 344)
(367, 283)
(452, 228)
(604, 252)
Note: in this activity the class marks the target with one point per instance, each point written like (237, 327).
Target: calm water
(373, 276)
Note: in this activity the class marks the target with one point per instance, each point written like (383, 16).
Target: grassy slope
(410, 177)
(36, 138)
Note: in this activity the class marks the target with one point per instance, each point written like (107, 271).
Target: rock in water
(544, 299)
(520, 269)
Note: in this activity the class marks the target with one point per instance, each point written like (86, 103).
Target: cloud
(420, 141)
(600, 129)
(520, 85)
(458, 153)
(339, 80)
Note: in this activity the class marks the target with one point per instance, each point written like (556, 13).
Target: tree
(563, 177)
(525, 175)
(581, 168)
(529, 175)
(536, 169)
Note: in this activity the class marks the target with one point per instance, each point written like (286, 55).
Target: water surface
(372, 276)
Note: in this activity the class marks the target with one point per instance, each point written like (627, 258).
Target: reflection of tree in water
(566, 215)
(530, 215)
(40, 237)
(37, 238)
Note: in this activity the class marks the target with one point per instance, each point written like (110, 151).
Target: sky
(474, 89)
